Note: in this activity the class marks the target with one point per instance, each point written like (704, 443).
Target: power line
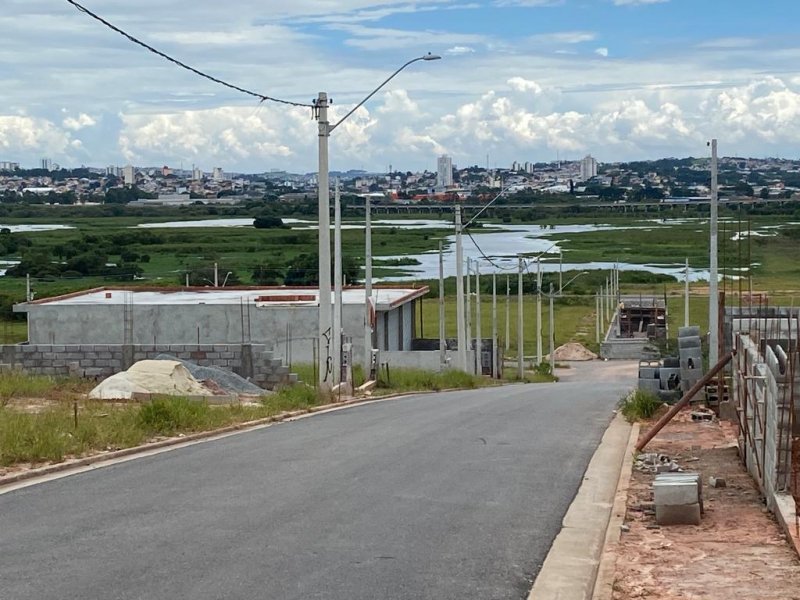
(483, 254)
(183, 65)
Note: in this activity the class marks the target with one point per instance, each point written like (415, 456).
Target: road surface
(455, 495)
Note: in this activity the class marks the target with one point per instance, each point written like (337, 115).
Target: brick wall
(252, 361)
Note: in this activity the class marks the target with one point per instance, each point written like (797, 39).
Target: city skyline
(538, 79)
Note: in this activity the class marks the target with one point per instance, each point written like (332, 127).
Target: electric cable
(261, 97)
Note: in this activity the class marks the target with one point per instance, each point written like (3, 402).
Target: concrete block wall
(252, 361)
(762, 393)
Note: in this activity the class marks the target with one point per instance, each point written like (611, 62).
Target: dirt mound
(574, 351)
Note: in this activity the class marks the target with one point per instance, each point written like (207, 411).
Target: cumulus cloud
(23, 134)
(79, 122)
(601, 52)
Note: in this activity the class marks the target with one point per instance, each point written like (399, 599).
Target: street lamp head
(430, 56)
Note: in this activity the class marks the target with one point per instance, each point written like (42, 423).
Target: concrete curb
(786, 513)
(570, 568)
(604, 584)
(97, 459)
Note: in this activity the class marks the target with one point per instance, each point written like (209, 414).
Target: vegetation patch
(639, 405)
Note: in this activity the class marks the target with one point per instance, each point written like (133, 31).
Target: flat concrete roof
(384, 298)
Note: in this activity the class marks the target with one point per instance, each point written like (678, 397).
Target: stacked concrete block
(691, 357)
(678, 498)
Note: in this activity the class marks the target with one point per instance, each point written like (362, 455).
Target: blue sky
(519, 80)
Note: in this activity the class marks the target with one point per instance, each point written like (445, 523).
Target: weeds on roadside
(18, 384)
(639, 405)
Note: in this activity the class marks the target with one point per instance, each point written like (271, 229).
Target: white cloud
(24, 134)
(563, 37)
(524, 85)
(457, 50)
(601, 52)
(79, 122)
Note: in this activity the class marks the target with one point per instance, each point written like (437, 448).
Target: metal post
(28, 296)
(686, 298)
(552, 332)
(538, 312)
(560, 272)
(368, 312)
(494, 325)
(713, 292)
(216, 275)
(460, 316)
(336, 338)
(520, 357)
(442, 344)
(478, 336)
(324, 325)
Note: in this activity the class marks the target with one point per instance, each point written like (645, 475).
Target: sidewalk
(738, 551)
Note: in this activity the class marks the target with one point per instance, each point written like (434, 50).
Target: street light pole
(337, 286)
(460, 316)
(325, 334)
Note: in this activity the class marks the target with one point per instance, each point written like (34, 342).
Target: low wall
(252, 361)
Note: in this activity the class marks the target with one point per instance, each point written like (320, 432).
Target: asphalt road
(449, 496)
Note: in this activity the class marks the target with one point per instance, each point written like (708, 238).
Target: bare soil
(738, 551)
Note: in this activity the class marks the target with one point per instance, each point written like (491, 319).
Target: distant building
(165, 171)
(47, 164)
(219, 175)
(8, 166)
(129, 174)
(444, 172)
(588, 168)
(197, 174)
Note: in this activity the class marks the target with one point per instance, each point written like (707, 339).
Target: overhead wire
(175, 61)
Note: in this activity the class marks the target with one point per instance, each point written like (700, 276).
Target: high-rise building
(129, 175)
(588, 168)
(197, 174)
(219, 175)
(444, 172)
(8, 165)
(47, 164)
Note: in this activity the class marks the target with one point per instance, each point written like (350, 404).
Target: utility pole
(368, 310)
(686, 297)
(324, 325)
(560, 272)
(538, 311)
(552, 331)
(494, 325)
(508, 312)
(597, 317)
(460, 316)
(713, 291)
(469, 312)
(216, 275)
(336, 338)
(520, 358)
(442, 344)
(28, 296)
(478, 336)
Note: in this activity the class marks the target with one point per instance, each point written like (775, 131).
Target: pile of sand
(574, 351)
(160, 377)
